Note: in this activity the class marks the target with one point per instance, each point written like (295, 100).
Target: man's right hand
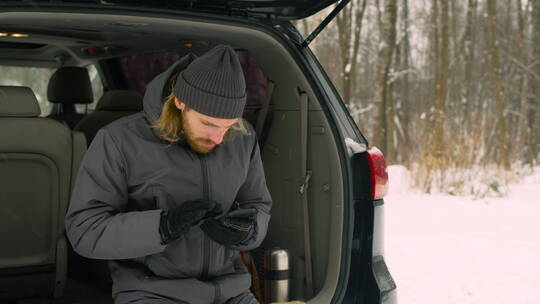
(177, 221)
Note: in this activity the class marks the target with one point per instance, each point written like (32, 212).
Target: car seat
(69, 86)
(111, 106)
(39, 158)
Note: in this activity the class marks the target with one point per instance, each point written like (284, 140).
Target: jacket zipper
(236, 227)
(217, 292)
(206, 240)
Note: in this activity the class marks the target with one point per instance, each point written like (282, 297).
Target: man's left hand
(231, 229)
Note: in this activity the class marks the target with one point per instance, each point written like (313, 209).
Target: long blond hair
(169, 123)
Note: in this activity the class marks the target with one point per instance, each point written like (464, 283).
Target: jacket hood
(157, 90)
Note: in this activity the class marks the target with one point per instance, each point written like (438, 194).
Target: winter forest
(449, 89)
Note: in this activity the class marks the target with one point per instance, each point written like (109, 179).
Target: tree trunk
(522, 134)
(468, 47)
(494, 71)
(442, 56)
(349, 29)
(454, 20)
(359, 17)
(534, 100)
(305, 26)
(386, 48)
(403, 106)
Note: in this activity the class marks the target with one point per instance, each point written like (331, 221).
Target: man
(169, 194)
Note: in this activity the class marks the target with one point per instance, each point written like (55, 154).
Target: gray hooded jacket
(129, 175)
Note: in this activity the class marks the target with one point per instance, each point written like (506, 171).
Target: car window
(139, 69)
(35, 78)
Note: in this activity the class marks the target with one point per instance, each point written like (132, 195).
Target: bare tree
(522, 133)
(440, 56)
(401, 81)
(534, 100)
(349, 23)
(464, 75)
(494, 72)
(385, 49)
(468, 48)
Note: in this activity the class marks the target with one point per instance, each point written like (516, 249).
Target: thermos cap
(279, 259)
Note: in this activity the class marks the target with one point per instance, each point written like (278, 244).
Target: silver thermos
(276, 275)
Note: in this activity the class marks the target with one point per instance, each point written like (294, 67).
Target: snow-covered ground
(444, 249)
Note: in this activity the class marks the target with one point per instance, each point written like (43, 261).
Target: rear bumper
(385, 283)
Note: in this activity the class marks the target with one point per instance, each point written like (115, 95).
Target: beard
(197, 144)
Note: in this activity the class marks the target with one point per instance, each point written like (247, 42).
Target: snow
(449, 249)
(348, 68)
(354, 146)
(476, 181)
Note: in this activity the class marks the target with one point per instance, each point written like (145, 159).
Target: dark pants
(244, 298)
(141, 297)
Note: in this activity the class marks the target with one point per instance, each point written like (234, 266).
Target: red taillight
(378, 173)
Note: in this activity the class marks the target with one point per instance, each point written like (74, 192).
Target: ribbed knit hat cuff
(208, 103)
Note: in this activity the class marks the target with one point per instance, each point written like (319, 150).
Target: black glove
(233, 228)
(177, 221)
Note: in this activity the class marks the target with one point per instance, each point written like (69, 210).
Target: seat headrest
(18, 102)
(120, 100)
(70, 85)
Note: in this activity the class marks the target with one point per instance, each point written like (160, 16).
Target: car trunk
(299, 139)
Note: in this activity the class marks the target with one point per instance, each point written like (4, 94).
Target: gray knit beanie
(214, 84)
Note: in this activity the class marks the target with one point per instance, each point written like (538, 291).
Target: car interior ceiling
(280, 151)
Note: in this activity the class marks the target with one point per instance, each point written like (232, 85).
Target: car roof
(261, 9)
(53, 39)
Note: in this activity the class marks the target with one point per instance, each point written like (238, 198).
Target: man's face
(203, 132)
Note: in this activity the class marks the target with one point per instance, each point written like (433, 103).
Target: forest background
(449, 89)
